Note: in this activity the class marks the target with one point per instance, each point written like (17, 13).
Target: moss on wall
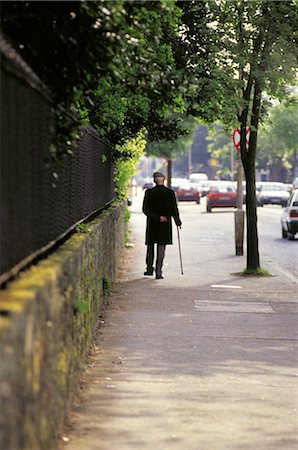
(47, 319)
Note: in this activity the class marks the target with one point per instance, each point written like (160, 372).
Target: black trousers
(161, 249)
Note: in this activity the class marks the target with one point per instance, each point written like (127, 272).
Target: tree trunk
(248, 159)
(253, 259)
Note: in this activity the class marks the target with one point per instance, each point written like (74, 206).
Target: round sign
(237, 138)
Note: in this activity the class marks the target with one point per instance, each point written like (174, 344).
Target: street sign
(237, 136)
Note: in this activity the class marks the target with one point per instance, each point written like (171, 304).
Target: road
(284, 252)
(219, 224)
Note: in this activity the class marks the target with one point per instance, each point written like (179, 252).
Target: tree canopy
(278, 144)
(111, 60)
(252, 49)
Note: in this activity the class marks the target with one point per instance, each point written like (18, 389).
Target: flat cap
(158, 175)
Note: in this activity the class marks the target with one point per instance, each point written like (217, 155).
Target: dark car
(289, 219)
(221, 195)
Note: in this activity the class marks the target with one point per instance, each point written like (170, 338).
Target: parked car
(289, 219)
(221, 195)
(197, 177)
(272, 194)
(295, 183)
(175, 182)
(289, 187)
(188, 192)
(259, 184)
(204, 187)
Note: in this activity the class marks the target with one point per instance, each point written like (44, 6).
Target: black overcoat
(160, 201)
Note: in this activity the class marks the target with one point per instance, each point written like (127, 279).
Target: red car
(188, 192)
(221, 195)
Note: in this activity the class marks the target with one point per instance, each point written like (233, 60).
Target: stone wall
(47, 319)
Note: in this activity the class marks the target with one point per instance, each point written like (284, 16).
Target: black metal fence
(39, 201)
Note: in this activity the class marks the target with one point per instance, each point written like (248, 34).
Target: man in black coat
(159, 206)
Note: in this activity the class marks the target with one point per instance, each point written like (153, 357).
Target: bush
(128, 158)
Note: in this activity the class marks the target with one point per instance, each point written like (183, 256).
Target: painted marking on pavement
(226, 286)
(234, 307)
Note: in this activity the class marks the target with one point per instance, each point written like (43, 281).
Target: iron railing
(41, 201)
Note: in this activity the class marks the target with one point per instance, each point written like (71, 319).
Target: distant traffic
(223, 194)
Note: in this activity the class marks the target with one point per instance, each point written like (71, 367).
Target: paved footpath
(203, 361)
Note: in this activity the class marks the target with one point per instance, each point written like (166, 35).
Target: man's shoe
(147, 273)
(159, 277)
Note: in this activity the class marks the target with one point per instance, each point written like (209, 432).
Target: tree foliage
(144, 95)
(251, 50)
(220, 148)
(110, 60)
(278, 144)
(126, 167)
(173, 149)
(206, 83)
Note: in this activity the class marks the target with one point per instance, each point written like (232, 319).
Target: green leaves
(174, 149)
(278, 140)
(128, 157)
(112, 60)
(133, 65)
(117, 112)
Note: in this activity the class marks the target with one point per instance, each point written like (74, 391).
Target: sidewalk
(203, 361)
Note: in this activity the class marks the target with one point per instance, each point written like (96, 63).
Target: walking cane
(180, 250)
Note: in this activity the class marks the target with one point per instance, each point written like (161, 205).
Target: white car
(204, 186)
(197, 177)
(289, 219)
(175, 182)
(272, 194)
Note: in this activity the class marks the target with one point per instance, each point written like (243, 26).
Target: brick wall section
(47, 319)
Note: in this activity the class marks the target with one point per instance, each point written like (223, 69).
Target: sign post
(237, 137)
